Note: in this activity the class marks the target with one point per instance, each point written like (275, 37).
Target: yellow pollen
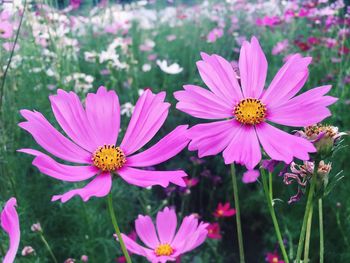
(250, 111)
(164, 250)
(108, 158)
(220, 212)
(275, 260)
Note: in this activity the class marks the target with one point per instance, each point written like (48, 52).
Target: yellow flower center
(275, 260)
(220, 212)
(164, 250)
(250, 111)
(108, 158)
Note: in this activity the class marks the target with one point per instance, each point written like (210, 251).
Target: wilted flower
(324, 137)
(224, 210)
(246, 107)
(172, 69)
(27, 250)
(95, 129)
(10, 224)
(214, 231)
(164, 245)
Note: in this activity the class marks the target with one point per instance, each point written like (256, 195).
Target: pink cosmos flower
(224, 210)
(10, 224)
(280, 47)
(6, 27)
(165, 244)
(93, 133)
(214, 231)
(246, 106)
(214, 35)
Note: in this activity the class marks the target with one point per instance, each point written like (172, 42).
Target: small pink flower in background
(27, 250)
(280, 47)
(269, 21)
(84, 258)
(214, 231)
(215, 34)
(6, 27)
(224, 210)
(94, 131)
(245, 107)
(152, 57)
(329, 42)
(313, 41)
(171, 38)
(273, 258)
(191, 182)
(10, 224)
(75, 4)
(69, 260)
(8, 46)
(163, 243)
(36, 227)
(303, 46)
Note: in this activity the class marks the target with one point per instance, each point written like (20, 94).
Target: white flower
(146, 67)
(171, 69)
(127, 109)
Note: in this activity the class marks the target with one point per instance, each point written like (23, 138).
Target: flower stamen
(108, 158)
(250, 111)
(164, 250)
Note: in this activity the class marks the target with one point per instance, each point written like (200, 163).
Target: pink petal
(166, 148)
(166, 225)
(212, 138)
(10, 224)
(187, 228)
(223, 70)
(51, 140)
(149, 115)
(145, 178)
(103, 114)
(304, 110)
(69, 173)
(288, 81)
(71, 116)
(146, 231)
(292, 146)
(244, 148)
(250, 176)
(133, 247)
(252, 68)
(99, 187)
(202, 103)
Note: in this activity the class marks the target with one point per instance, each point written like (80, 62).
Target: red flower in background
(214, 231)
(224, 210)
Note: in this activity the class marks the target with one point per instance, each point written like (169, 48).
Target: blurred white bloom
(81, 82)
(84, 258)
(127, 109)
(27, 250)
(169, 69)
(140, 91)
(90, 56)
(36, 227)
(146, 67)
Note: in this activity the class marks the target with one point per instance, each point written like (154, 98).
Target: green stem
(273, 216)
(238, 214)
(308, 235)
(320, 218)
(116, 227)
(306, 215)
(48, 247)
(270, 187)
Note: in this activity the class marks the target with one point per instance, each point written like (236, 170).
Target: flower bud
(36, 227)
(27, 250)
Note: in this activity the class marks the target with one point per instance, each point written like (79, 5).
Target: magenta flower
(214, 231)
(93, 133)
(224, 210)
(246, 107)
(273, 258)
(10, 224)
(165, 244)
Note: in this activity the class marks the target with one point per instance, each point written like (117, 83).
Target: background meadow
(128, 47)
